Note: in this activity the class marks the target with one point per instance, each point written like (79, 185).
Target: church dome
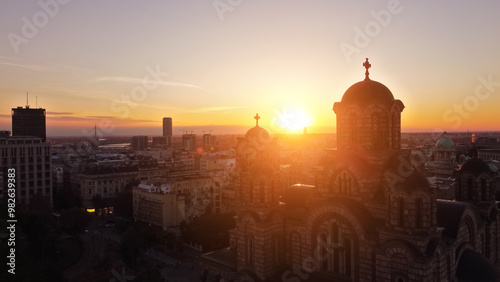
(258, 134)
(367, 92)
(445, 142)
(430, 165)
(475, 166)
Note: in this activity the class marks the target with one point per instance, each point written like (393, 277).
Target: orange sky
(131, 65)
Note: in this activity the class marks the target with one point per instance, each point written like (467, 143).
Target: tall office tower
(167, 130)
(28, 122)
(28, 161)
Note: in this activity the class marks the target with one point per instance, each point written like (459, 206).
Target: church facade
(370, 215)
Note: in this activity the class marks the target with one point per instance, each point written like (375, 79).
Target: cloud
(60, 113)
(30, 67)
(135, 80)
(211, 109)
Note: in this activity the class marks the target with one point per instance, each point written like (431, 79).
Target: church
(370, 215)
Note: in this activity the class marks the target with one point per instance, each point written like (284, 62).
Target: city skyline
(214, 64)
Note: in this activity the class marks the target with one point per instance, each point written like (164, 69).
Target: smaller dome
(445, 142)
(493, 167)
(429, 165)
(475, 166)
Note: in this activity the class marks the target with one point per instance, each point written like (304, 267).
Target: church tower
(259, 223)
(368, 118)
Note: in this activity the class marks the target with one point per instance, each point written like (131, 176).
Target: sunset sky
(213, 64)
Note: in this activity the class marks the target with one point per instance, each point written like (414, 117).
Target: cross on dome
(367, 65)
(256, 117)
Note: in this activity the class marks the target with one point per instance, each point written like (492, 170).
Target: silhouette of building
(369, 215)
(208, 142)
(189, 142)
(29, 160)
(139, 143)
(29, 122)
(167, 130)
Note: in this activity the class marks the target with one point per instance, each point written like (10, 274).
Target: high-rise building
(167, 130)
(188, 142)
(29, 122)
(28, 161)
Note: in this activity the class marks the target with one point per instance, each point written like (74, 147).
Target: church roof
(366, 92)
(475, 166)
(225, 257)
(449, 216)
(473, 266)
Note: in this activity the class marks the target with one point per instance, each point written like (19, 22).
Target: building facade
(31, 159)
(157, 205)
(29, 122)
(167, 130)
(369, 216)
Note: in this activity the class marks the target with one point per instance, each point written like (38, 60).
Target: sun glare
(292, 119)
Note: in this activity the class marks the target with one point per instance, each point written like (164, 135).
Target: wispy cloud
(211, 109)
(9, 58)
(24, 66)
(135, 80)
(60, 113)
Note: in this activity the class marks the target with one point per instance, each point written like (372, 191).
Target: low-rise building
(157, 205)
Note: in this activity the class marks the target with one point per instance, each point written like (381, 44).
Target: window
(401, 211)
(418, 213)
(249, 251)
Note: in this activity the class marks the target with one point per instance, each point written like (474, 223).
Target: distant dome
(367, 92)
(445, 142)
(429, 165)
(475, 166)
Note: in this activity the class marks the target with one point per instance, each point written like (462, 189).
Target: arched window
(348, 256)
(418, 213)
(262, 191)
(376, 131)
(470, 189)
(334, 233)
(275, 247)
(401, 211)
(395, 131)
(353, 130)
(484, 189)
(296, 249)
(249, 251)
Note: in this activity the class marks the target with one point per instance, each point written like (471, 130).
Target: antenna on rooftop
(27, 104)
(36, 101)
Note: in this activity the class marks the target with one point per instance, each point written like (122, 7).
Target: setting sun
(292, 119)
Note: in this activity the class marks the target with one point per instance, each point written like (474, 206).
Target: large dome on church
(258, 133)
(367, 92)
(445, 142)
